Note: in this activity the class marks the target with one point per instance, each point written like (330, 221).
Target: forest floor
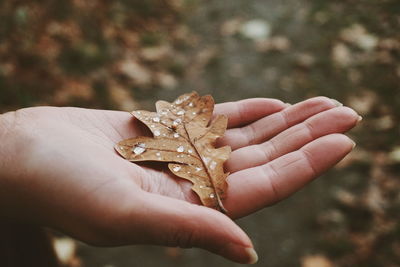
(127, 54)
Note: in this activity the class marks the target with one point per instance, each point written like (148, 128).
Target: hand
(58, 168)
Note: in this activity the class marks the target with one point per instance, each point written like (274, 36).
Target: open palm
(70, 178)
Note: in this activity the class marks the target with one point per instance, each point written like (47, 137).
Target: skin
(58, 168)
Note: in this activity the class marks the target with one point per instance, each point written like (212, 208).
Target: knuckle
(182, 237)
(102, 234)
(110, 229)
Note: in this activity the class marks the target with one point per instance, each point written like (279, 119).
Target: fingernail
(336, 103)
(253, 257)
(239, 253)
(354, 144)
(359, 119)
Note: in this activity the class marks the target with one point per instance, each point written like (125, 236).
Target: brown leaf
(185, 136)
(316, 261)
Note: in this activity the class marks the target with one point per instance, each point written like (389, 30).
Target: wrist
(6, 120)
(7, 163)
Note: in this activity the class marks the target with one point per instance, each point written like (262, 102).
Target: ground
(127, 54)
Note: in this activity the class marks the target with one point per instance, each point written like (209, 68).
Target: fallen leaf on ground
(316, 261)
(184, 135)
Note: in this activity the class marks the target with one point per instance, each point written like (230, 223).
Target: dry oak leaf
(185, 136)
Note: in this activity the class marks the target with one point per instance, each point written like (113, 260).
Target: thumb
(173, 222)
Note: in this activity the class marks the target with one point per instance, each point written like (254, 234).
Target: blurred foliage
(122, 54)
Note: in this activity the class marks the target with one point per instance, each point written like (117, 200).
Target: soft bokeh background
(125, 54)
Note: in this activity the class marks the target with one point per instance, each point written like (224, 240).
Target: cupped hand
(58, 168)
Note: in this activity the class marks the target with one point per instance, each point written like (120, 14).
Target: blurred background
(126, 54)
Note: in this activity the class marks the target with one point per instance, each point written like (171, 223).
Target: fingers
(119, 125)
(245, 111)
(252, 189)
(271, 125)
(172, 222)
(336, 120)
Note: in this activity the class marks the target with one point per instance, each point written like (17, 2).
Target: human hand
(59, 169)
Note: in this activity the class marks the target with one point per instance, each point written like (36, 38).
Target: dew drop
(212, 195)
(206, 160)
(179, 101)
(190, 104)
(176, 122)
(190, 151)
(180, 149)
(141, 145)
(138, 112)
(194, 113)
(139, 149)
(181, 112)
(157, 133)
(176, 168)
(156, 119)
(213, 164)
(152, 126)
(176, 135)
(198, 169)
(202, 186)
(158, 154)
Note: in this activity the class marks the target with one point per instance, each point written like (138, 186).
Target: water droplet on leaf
(206, 160)
(213, 164)
(139, 149)
(176, 168)
(176, 122)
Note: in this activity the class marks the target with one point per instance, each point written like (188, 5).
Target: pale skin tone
(58, 168)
